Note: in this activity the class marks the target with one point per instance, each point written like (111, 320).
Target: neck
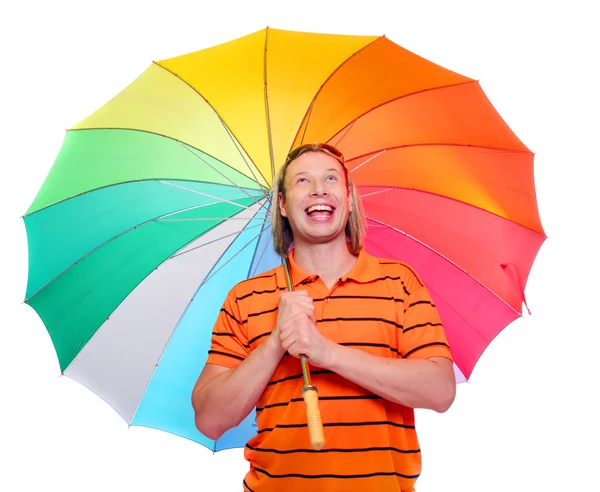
(330, 261)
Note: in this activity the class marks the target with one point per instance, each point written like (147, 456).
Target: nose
(317, 189)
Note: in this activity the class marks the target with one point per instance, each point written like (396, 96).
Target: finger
(290, 299)
(287, 327)
(293, 300)
(299, 298)
(294, 331)
(291, 309)
(297, 334)
(300, 293)
(286, 344)
(305, 305)
(295, 294)
(293, 350)
(306, 308)
(288, 341)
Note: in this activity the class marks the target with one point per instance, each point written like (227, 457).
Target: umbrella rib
(385, 190)
(378, 152)
(92, 251)
(219, 200)
(392, 188)
(194, 219)
(235, 141)
(368, 160)
(403, 96)
(443, 257)
(228, 179)
(254, 255)
(182, 143)
(265, 226)
(348, 128)
(269, 135)
(308, 112)
(119, 184)
(237, 146)
(175, 255)
(215, 271)
(260, 257)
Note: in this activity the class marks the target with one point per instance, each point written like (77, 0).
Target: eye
(331, 177)
(302, 180)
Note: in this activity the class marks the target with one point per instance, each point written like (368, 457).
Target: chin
(324, 237)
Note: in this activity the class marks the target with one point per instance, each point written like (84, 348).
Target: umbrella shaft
(305, 371)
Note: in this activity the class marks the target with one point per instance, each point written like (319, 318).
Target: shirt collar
(296, 273)
(366, 269)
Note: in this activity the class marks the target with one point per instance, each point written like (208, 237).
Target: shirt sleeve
(423, 334)
(229, 343)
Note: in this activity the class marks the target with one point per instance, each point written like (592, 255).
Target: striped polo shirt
(381, 307)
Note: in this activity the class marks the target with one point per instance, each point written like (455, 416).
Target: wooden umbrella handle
(313, 417)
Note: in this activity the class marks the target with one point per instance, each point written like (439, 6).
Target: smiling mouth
(317, 211)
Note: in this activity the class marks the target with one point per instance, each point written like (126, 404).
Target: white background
(525, 422)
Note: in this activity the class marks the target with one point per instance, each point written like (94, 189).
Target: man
(368, 327)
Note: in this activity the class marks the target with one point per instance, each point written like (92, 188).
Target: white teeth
(319, 207)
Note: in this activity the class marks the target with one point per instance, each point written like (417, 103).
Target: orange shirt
(381, 307)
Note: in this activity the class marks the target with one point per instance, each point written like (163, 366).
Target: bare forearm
(415, 383)
(224, 401)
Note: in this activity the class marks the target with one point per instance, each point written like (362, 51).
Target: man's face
(317, 200)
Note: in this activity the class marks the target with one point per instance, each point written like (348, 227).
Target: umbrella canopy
(159, 202)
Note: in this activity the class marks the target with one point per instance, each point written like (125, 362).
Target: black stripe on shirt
(403, 265)
(258, 337)
(217, 334)
(383, 320)
(420, 302)
(256, 278)
(387, 277)
(366, 344)
(226, 354)
(297, 376)
(339, 424)
(414, 273)
(223, 310)
(441, 344)
(331, 475)
(260, 313)
(327, 320)
(378, 298)
(260, 292)
(268, 311)
(333, 450)
(421, 325)
(321, 398)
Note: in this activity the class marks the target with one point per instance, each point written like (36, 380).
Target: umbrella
(159, 202)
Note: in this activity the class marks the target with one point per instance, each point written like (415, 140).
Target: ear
(282, 205)
(350, 200)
